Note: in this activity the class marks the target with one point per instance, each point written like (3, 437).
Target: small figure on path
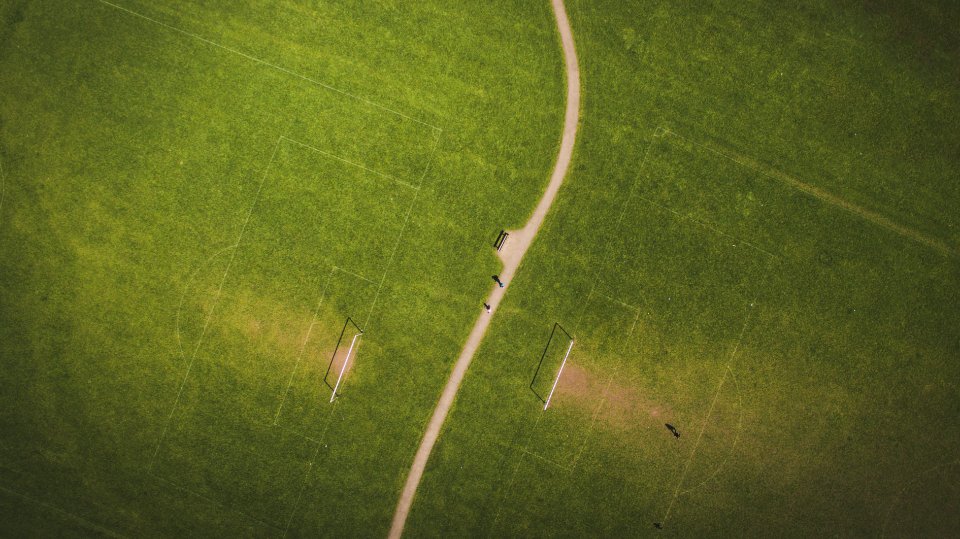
(496, 279)
(671, 428)
(487, 306)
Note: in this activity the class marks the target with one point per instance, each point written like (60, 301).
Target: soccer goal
(340, 360)
(557, 351)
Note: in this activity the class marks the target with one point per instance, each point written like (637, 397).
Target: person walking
(487, 306)
(496, 279)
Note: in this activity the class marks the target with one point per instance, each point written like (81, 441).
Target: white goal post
(557, 379)
(343, 368)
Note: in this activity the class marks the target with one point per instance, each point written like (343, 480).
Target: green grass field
(758, 243)
(724, 259)
(196, 198)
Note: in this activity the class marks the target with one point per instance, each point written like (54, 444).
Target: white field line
(736, 439)
(186, 289)
(403, 227)
(559, 373)
(829, 198)
(603, 398)
(621, 303)
(351, 163)
(545, 459)
(516, 470)
(687, 465)
(343, 369)
(352, 274)
(396, 245)
(438, 131)
(291, 431)
(210, 500)
(337, 268)
(523, 448)
(303, 486)
(706, 419)
(583, 310)
(216, 301)
(643, 163)
(90, 525)
(430, 157)
(917, 479)
(658, 134)
(269, 64)
(386, 268)
(303, 346)
(708, 226)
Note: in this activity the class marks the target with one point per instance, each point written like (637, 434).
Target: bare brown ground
(616, 405)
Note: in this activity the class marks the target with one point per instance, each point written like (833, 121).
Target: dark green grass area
(736, 175)
(196, 197)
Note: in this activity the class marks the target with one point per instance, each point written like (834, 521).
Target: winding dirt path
(511, 255)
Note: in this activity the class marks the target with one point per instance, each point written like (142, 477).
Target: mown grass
(176, 229)
(806, 352)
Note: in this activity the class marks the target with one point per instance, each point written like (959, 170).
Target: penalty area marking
(706, 420)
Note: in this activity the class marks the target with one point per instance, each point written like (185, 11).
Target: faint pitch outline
(706, 419)
(523, 449)
(268, 64)
(736, 438)
(186, 289)
(606, 389)
(210, 500)
(216, 301)
(89, 524)
(827, 197)
(909, 485)
(303, 346)
(437, 130)
(347, 161)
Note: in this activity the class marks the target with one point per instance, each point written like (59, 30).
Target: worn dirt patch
(621, 406)
(341, 357)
